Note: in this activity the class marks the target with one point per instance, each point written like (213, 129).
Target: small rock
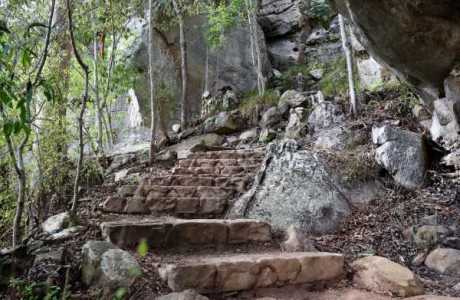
(55, 256)
(167, 155)
(277, 74)
(121, 175)
(185, 295)
(66, 233)
(452, 242)
(381, 275)
(296, 241)
(267, 135)
(56, 223)
(430, 220)
(317, 74)
(419, 259)
(114, 204)
(429, 235)
(297, 126)
(293, 99)
(249, 135)
(271, 117)
(457, 287)
(444, 260)
(119, 269)
(176, 128)
(91, 258)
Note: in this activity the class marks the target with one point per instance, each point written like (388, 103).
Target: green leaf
(143, 248)
(26, 59)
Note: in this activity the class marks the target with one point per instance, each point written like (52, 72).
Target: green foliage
(222, 16)
(321, 12)
(35, 290)
(143, 248)
(288, 78)
(7, 198)
(335, 79)
(252, 101)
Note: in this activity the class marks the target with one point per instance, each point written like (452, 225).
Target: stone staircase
(197, 250)
(203, 185)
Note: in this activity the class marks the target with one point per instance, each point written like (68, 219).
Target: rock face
(394, 32)
(250, 271)
(230, 67)
(402, 154)
(381, 275)
(296, 189)
(444, 260)
(278, 18)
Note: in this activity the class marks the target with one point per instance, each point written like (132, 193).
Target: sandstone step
(211, 163)
(238, 183)
(193, 206)
(217, 171)
(228, 154)
(170, 233)
(153, 192)
(251, 271)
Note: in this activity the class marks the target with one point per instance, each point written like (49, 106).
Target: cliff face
(228, 67)
(419, 40)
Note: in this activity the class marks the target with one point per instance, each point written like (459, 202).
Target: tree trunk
(84, 101)
(185, 113)
(153, 104)
(99, 112)
(252, 12)
(349, 57)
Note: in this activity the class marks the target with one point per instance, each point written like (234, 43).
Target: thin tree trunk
(153, 104)
(99, 112)
(185, 113)
(252, 12)
(82, 111)
(349, 57)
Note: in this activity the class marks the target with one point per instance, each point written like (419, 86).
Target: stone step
(153, 192)
(250, 271)
(228, 154)
(169, 233)
(190, 206)
(212, 163)
(240, 184)
(217, 171)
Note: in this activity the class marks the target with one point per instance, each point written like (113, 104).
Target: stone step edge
(251, 271)
(171, 232)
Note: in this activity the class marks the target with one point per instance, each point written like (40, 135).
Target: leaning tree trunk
(185, 113)
(349, 57)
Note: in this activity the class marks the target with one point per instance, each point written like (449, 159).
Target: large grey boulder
(395, 33)
(297, 125)
(92, 252)
(403, 154)
(119, 269)
(296, 189)
(271, 117)
(293, 99)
